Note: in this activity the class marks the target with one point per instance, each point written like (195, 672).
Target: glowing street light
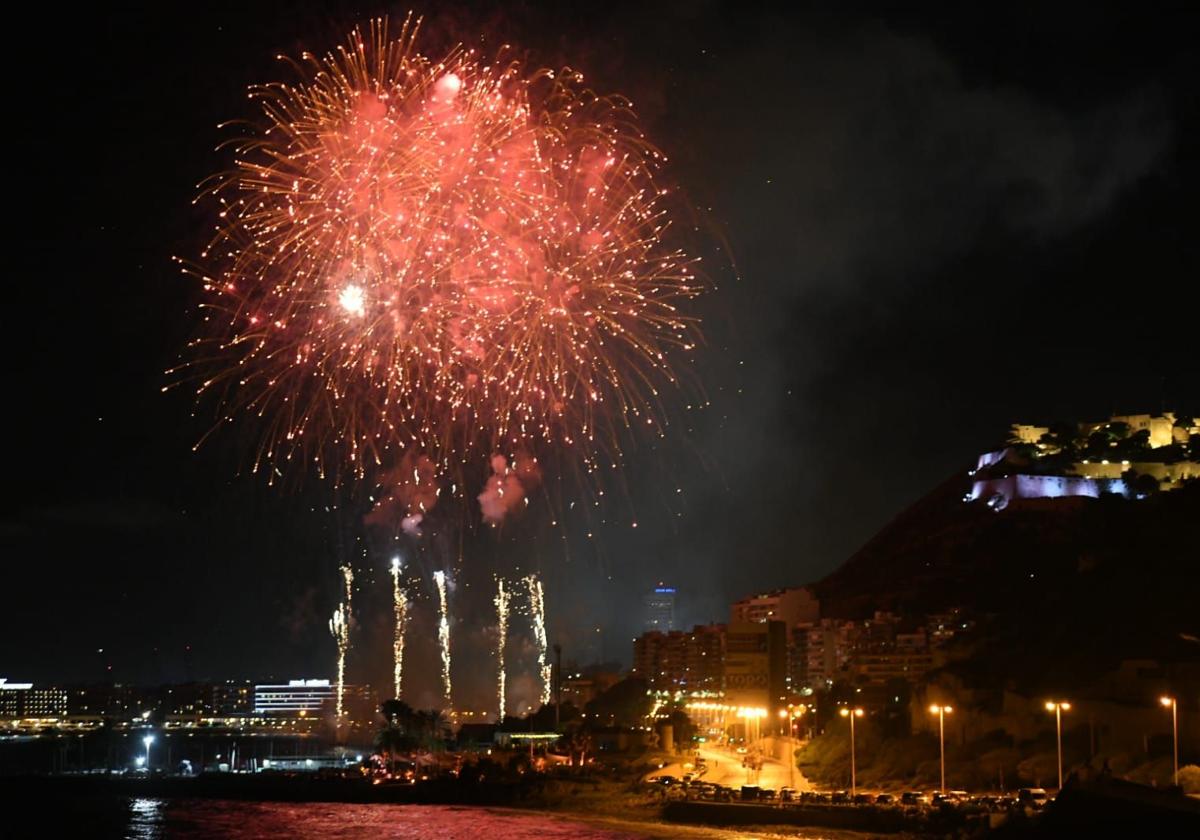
(941, 712)
(1058, 707)
(852, 714)
(148, 740)
(1173, 704)
(790, 714)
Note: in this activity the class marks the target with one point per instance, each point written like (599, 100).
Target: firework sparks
(454, 256)
(501, 601)
(400, 607)
(537, 616)
(439, 578)
(339, 626)
(347, 588)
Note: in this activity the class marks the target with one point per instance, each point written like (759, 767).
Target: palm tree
(431, 725)
(396, 712)
(390, 741)
(398, 733)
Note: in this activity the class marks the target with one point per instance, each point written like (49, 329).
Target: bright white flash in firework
(351, 299)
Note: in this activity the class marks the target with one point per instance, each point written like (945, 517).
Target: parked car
(913, 797)
(787, 794)
(840, 797)
(1035, 798)
(885, 799)
(863, 799)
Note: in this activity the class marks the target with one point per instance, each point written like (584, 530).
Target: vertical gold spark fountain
(439, 578)
(501, 600)
(537, 615)
(400, 606)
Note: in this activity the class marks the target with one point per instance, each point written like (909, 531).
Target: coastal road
(724, 767)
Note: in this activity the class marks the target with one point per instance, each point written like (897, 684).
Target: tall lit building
(660, 609)
(22, 700)
(308, 696)
(756, 663)
(314, 697)
(791, 606)
(681, 660)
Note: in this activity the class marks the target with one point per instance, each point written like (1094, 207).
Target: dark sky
(934, 224)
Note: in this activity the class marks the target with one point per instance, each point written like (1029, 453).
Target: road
(724, 767)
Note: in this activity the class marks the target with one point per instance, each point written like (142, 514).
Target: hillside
(1105, 579)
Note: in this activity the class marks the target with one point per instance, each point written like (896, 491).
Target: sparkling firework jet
(454, 256)
(501, 601)
(400, 606)
(537, 615)
(339, 626)
(439, 578)
(348, 586)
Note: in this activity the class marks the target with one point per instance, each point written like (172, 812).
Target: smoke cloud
(507, 489)
(411, 493)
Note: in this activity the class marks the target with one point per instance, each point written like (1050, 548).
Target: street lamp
(852, 714)
(941, 712)
(1173, 704)
(1058, 707)
(790, 714)
(148, 740)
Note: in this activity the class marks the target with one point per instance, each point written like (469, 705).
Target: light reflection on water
(152, 819)
(159, 819)
(145, 819)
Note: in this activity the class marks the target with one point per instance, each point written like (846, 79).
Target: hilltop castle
(1130, 455)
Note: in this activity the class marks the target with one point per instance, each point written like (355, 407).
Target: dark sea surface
(146, 818)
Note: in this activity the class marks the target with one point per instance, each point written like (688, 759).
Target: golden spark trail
(339, 626)
(439, 578)
(537, 615)
(501, 601)
(348, 585)
(400, 607)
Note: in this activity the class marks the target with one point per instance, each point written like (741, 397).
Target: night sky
(921, 227)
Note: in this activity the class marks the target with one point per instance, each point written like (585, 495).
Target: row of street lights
(1056, 706)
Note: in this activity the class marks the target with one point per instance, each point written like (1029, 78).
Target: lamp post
(1173, 704)
(1058, 707)
(852, 714)
(148, 740)
(941, 712)
(790, 714)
